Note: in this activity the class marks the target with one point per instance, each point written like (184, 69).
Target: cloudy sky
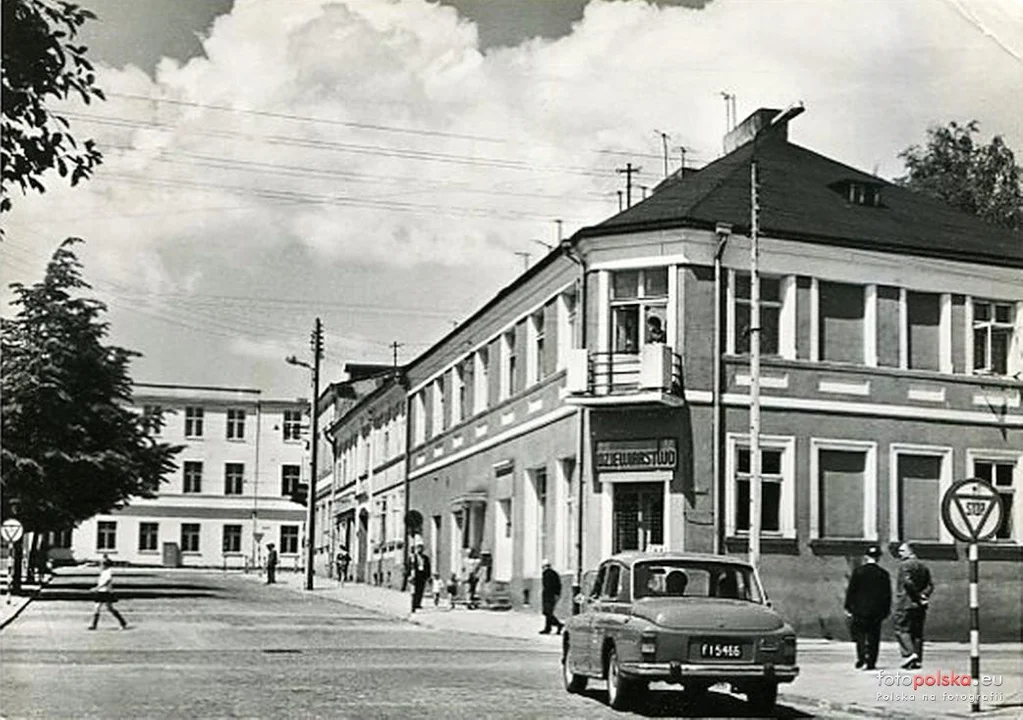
(386, 164)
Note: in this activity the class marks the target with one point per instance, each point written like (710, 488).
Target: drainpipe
(724, 232)
(570, 252)
(403, 381)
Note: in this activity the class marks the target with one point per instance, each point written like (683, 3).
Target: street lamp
(310, 524)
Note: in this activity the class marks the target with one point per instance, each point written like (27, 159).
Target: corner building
(601, 401)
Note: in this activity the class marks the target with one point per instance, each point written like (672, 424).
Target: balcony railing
(608, 378)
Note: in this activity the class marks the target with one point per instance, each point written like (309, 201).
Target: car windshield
(691, 578)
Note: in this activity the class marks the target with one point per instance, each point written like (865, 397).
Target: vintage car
(696, 620)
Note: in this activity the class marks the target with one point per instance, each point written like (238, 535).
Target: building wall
(260, 509)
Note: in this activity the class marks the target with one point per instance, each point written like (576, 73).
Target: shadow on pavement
(85, 595)
(674, 703)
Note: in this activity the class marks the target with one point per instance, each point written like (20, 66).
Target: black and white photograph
(511, 359)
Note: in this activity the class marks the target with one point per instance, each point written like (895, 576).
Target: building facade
(601, 402)
(228, 498)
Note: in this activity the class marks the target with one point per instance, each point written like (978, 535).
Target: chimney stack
(745, 131)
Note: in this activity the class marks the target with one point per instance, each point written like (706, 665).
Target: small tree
(42, 64)
(72, 446)
(983, 180)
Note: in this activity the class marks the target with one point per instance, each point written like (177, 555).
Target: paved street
(213, 644)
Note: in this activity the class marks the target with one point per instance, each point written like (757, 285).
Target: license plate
(719, 650)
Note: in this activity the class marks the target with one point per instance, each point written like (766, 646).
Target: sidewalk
(827, 681)
(12, 605)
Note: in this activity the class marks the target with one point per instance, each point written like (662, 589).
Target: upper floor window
(419, 418)
(153, 417)
(536, 351)
(459, 394)
(841, 322)
(235, 424)
(770, 314)
(440, 415)
(292, 425)
(509, 365)
(192, 471)
(993, 325)
(568, 325)
(481, 380)
(234, 478)
(193, 422)
(639, 308)
(923, 331)
(861, 194)
(291, 475)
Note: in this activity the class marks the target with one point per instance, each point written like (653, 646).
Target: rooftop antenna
(729, 99)
(682, 159)
(525, 258)
(558, 222)
(664, 143)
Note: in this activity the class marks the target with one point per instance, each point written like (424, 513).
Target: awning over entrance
(461, 502)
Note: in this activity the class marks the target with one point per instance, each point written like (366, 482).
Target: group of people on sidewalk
(868, 601)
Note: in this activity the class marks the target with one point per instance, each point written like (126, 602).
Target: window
(923, 331)
(639, 308)
(481, 386)
(537, 365)
(419, 417)
(290, 477)
(235, 424)
(440, 416)
(509, 364)
(289, 539)
(234, 478)
(568, 325)
(777, 473)
(843, 497)
(460, 395)
(193, 422)
(106, 535)
(190, 537)
(60, 539)
(841, 322)
(292, 425)
(382, 510)
(860, 194)
(193, 476)
(993, 324)
(770, 314)
(149, 534)
(921, 475)
(567, 525)
(153, 417)
(1002, 473)
(232, 539)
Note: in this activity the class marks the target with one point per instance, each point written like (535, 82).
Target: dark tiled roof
(798, 200)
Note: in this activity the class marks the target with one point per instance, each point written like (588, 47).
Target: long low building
(230, 496)
(601, 402)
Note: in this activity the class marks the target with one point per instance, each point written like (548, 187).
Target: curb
(25, 602)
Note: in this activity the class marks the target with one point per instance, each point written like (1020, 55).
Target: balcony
(652, 377)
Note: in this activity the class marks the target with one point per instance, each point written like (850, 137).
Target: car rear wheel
(618, 687)
(574, 683)
(763, 697)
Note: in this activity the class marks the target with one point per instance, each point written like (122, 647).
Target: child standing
(438, 588)
(452, 591)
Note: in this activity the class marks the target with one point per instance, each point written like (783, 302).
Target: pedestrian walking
(271, 564)
(550, 583)
(868, 600)
(105, 596)
(452, 591)
(419, 573)
(913, 590)
(438, 589)
(341, 562)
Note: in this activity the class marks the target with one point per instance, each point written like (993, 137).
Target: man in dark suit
(550, 592)
(419, 572)
(868, 600)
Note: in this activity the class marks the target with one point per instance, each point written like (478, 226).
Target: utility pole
(317, 347)
(628, 171)
(756, 485)
(394, 352)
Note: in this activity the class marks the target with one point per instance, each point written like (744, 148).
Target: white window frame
(241, 478)
(481, 380)
(566, 330)
(144, 527)
(194, 421)
(974, 455)
(869, 339)
(536, 331)
(508, 367)
(197, 535)
(457, 391)
(641, 301)
(224, 536)
(1014, 362)
(235, 424)
(787, 498)
(291, 426)
(281, 538)
(944, 483)
(869, 484)
(786, 313)
(564, 501)
(419, 418)
(944, 329)
(185, 484)
(106, 535)
(439, 408)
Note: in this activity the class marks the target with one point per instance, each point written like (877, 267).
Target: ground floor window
(190, 537)
(777, 478)
(1002, 473)
(106, 535)
(149, 533)
(637, 516)
(289, 539)
(60, 539)
(232, 538)
(843, 494)
(920, 476)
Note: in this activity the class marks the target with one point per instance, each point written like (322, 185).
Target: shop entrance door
(638, 519)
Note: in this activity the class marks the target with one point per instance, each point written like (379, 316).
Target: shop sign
(646, 454)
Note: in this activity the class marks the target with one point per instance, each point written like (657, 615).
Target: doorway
(638, 516)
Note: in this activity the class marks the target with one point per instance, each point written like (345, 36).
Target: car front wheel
(574, 683)
(618, 687)
(763, 697)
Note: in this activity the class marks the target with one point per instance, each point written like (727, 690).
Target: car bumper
(678, 672)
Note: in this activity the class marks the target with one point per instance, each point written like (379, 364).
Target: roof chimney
(744, 132)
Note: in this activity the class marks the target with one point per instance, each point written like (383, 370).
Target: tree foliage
(73, 447)
(983, 180)
(43, 65)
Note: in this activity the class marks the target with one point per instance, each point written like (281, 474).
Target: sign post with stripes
(972, 511)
